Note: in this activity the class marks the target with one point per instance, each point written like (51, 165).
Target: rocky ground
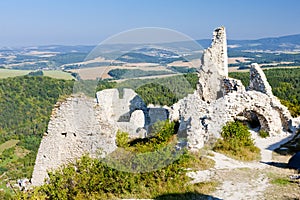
(264, 179)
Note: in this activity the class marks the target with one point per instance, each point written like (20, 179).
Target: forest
(26, 104)
(134, 73)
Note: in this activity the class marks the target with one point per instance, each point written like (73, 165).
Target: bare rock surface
(258, 80)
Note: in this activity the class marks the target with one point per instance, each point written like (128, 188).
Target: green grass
(263, 134)
(58, 74)
(5, 73)
(8, 144)
(281, 181)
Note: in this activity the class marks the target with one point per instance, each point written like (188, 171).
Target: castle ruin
(82, 125)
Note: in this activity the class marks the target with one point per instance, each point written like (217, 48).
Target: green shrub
(263, 134)
(237, 142)
(89, 178)
(122, 139)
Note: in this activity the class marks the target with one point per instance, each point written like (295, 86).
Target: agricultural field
(5, 73)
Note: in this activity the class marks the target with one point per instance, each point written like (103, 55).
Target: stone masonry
(84, 125)
(220, 99)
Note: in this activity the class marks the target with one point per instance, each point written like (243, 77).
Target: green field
(58, 74)
(5, 73)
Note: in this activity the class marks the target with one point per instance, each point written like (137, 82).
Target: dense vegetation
(25, 104)
(94, 179)
(163, 91)
(236, 142)
(183, 70)
(134, 73)
(285, 85)
(136, 57)
(267, 58)
(36, 73)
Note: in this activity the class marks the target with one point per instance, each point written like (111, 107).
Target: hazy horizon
(36, 23)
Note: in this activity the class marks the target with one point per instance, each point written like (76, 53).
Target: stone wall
(84, 125)
(77, 126)
(125, 109)
(220, 99)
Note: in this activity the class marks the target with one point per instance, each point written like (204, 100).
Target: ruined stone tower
(214, 68)
(220, 99)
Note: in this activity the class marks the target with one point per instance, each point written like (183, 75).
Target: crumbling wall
(77, 126)
(125, 109)
(220, 99)
(84, 125)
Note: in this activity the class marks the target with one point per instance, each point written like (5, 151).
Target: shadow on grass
(186, 196)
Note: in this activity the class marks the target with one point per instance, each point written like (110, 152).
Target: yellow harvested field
(102, 72)
(93, 73)
(193, 63)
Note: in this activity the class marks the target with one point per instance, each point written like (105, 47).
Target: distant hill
(284, 43)
(65, 57)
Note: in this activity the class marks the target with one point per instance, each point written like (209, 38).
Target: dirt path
(241, 180)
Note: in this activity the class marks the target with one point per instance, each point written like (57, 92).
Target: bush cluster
(236, 142)
(89, 178)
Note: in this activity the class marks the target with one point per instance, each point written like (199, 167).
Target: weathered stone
(232, 85)
(258, 80)
(214, 68)
(82, 125)
(204, 113)
(76, 127)
(138, 118)
(119, 106)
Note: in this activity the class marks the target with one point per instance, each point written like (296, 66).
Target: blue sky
(40, 22)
